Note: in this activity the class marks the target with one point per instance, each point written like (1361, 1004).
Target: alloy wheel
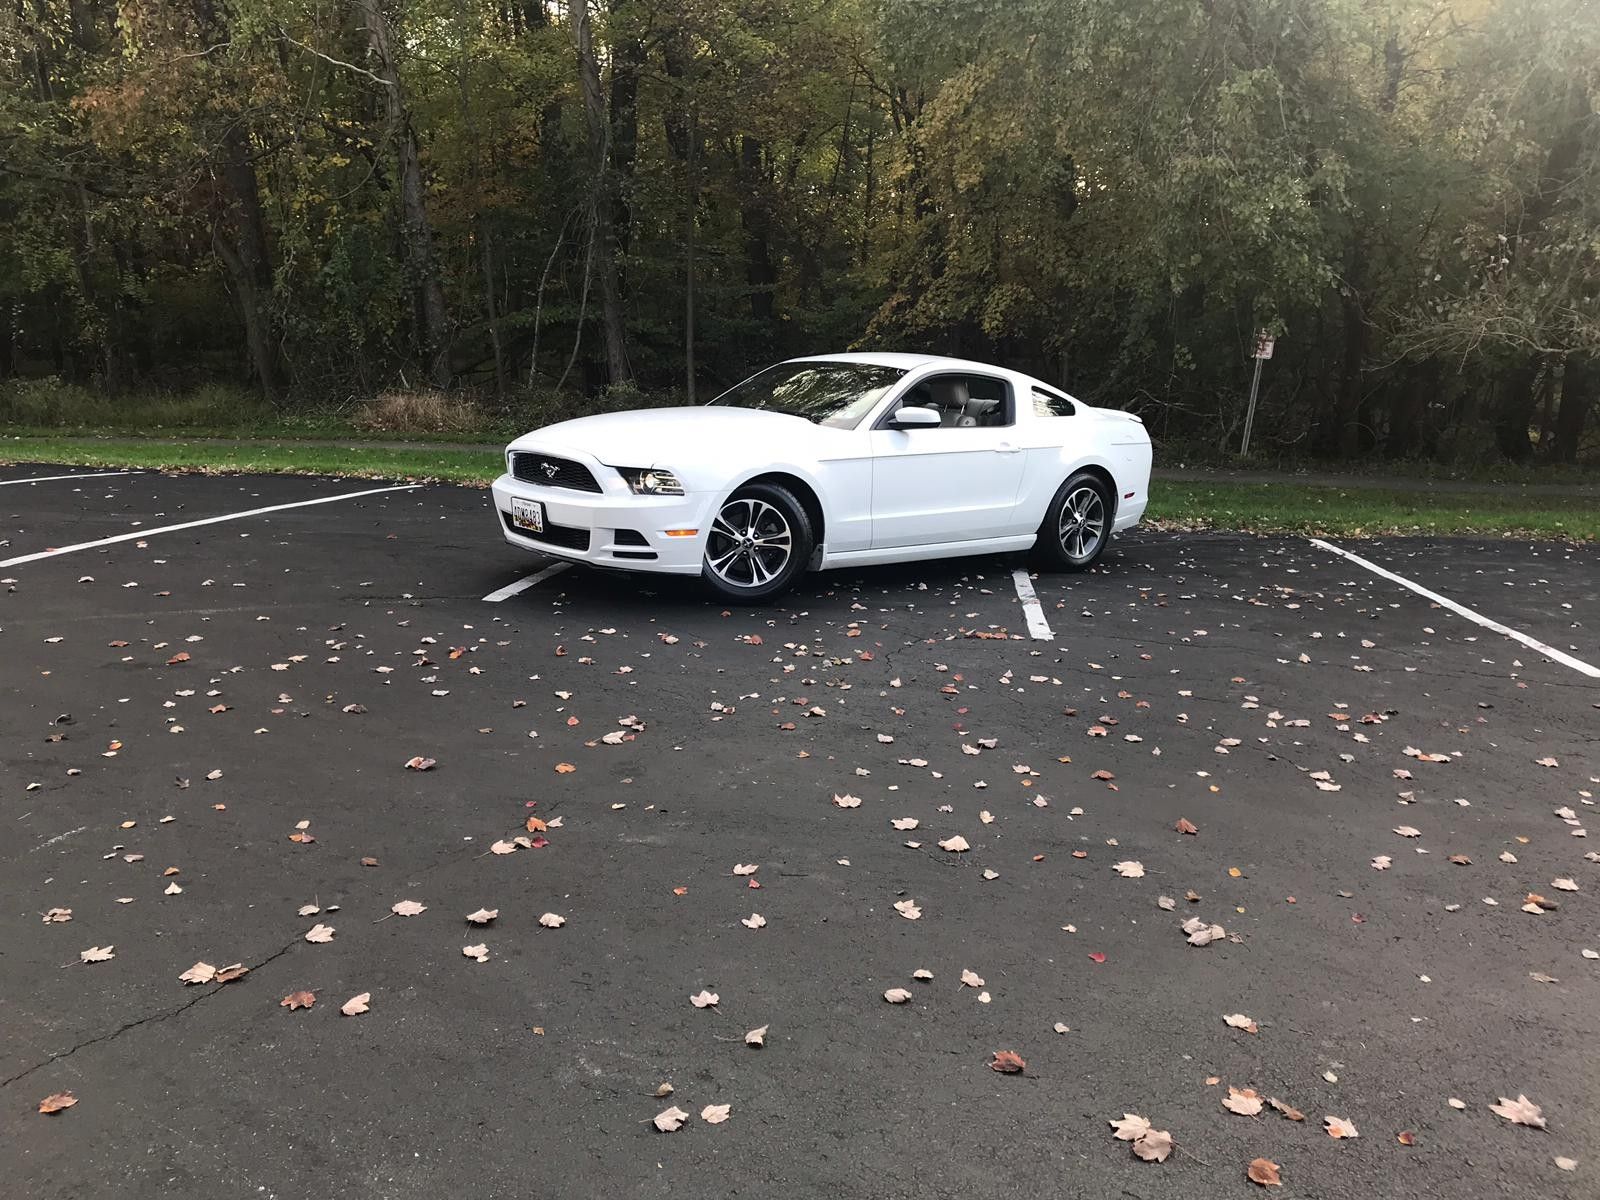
(749, 544)
(1083, 523)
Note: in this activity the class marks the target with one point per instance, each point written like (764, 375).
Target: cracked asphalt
(1295, 708)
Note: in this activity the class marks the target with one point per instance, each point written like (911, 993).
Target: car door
(954, 483)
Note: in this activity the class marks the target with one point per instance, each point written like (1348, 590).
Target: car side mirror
(914, 418)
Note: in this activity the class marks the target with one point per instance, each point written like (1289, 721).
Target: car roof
(904, 362)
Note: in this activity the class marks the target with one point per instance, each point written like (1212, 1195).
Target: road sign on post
(1263, 351)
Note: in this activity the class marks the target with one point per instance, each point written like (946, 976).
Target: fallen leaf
(753, 921)
(1406, 1138)
(57, 915)
(296, 1000)
(663, 1091)
(971, 978)
(897, 995)
(1520, 1111)
(956, 844)
(201, 972)
(1263, 1171)
(1007, 1062)
(756, 1037)
(1240, 1021)
(846, 801)
(1564, 885)
(1408, 831)
(1130, 1128)
(418, 763)
(483, 916)
(1154, 1146)
(705, 999)
(356, 1005)
(1293, 1114)
(1246, 1103)
(715, 1114)
(231, 972)
(408, 908)
(1566, 1164)
(55, 1103)
(552, 920)
(320, 933)
(478, 953)
(97, 954)
(671, 1120)
(1185, 825)
(746, 868)
(907, 909)
(1129, 869)
(1338, 1127)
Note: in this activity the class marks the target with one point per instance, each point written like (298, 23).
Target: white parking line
(252, 512)
(1566, 660)
(52, 478)
(526, 582)
(1031, 608)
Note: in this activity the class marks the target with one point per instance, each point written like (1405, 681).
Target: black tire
(1077, 525)
(741, 562)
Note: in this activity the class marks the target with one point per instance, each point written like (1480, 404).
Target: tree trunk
(627, 57)
(605, 252)
(1518, 396)
(416, 231)
(1577, 397)
(241, 243)
(759, 272)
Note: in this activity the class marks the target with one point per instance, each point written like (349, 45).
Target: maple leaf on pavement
(296, 1000)
(1263, 1171)
(1154, 1146)
(756, 1037)
(1131, 1127)
(1338, 1127)
(55, 1103)
(671, 1120)
(1246, 1103)
(201, 972)
(1520, 1111)
(1007, 1062)
(715, 1114)
(407, 908)
(483, 916)
(356, 1004)
(1129, 869)
(705, 999)
(1240, 1021)
(96, 954)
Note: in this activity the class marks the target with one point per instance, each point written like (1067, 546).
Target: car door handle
(1007, 448)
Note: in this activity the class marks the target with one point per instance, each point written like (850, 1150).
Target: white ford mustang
(833, 461)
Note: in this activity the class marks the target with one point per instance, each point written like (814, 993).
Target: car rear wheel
(760, 541)
(1077, 525)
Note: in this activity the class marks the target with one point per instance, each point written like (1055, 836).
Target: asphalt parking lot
(204, 735)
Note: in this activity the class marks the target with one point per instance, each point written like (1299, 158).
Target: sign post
(1263, 352)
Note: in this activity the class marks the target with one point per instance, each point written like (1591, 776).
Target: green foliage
(1113, 196)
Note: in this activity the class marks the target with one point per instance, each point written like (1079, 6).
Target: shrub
(419, 412)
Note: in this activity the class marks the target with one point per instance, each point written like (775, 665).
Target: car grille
(548, 471)
(555, 535)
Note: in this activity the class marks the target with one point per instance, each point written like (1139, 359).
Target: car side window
(1049, 404)
(964, 401)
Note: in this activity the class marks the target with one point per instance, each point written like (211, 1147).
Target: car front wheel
(760, 540)
(1077, 526)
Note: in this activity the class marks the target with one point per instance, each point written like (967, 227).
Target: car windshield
(837, 394)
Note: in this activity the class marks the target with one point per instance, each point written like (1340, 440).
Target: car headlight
(651, 481)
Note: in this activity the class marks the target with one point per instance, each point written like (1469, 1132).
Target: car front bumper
(610, 529)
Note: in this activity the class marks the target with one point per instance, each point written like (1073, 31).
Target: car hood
(703, 444)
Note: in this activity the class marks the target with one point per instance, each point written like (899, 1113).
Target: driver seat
(948, 394)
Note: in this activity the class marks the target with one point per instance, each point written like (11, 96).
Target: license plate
(528, 514)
